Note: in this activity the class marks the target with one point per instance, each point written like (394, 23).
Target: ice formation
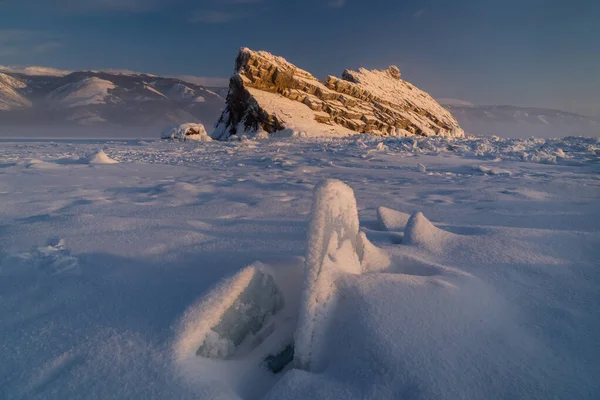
(332, 249)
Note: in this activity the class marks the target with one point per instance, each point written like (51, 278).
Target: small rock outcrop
(267, 93)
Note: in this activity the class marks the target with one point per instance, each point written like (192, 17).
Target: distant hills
(39, 96)
(520, 122)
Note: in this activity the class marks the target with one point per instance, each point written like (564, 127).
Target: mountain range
(38, 96)
(43, 97)
(522, 122)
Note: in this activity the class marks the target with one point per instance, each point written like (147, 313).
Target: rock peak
(268, 93)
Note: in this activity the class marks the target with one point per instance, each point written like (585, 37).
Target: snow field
(106, 270)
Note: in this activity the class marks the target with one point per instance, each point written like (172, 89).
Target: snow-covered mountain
(36, 96)
(11, 93)
(520, 122)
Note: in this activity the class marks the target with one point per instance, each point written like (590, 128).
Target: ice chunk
(332, 249)
(392, 220)
(236, 312)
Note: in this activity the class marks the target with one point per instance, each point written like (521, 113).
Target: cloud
(142, 6)
(15, 42)
(215, 17)
(120, 6)
(418, 13)
(34, 70)
(336, 3)
(225, 11)
(455, 102)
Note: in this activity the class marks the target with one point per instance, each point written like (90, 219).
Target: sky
(543, 53)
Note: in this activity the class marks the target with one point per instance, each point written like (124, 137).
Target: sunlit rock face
(267, 93)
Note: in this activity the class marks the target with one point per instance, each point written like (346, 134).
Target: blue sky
(530, 52)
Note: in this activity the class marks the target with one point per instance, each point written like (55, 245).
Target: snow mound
(391, 220)
(100, 158)
(372, 258)
(191, 131)
(421, 232)
(39, 164)
(332, 250)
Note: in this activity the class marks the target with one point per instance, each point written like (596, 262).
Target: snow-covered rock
(190, 131)
(268, 93)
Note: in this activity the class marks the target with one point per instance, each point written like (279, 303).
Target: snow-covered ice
(113, 277)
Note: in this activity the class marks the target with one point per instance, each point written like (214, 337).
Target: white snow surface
(299, 118)
(492, 292)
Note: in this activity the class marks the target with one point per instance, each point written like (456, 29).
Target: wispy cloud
(14, 42)
(120, 6)
(418, 13)
(455, 102)
(336, 3)
(215, 17)
(225, 11)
